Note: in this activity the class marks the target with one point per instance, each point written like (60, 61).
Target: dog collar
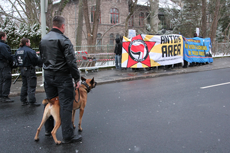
(86, 85)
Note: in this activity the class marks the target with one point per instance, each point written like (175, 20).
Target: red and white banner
(152, 50)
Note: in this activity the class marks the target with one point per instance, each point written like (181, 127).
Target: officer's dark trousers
(29, 83)
(5, 81)
(60, 84)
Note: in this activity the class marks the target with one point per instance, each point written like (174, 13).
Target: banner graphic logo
(138, 50)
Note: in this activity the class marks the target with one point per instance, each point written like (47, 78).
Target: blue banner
(198, 50)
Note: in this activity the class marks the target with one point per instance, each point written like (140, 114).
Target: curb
(143, 76)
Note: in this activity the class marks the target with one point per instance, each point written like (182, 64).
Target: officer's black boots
(25, 103)
(73, 139)
(6, 100)
(34, 104)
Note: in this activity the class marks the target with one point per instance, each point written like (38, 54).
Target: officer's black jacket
(58, 55)
(31, 58)
(5, 54)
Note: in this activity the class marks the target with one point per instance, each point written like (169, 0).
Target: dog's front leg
(73, 116)
(81, 112)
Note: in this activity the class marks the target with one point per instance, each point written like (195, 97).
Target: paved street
(164, 114)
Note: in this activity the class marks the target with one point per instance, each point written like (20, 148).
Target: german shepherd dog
(53, 108)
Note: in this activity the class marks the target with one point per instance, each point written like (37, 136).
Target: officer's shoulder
(65, 36)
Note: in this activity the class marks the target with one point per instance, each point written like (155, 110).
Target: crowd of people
(58, 60)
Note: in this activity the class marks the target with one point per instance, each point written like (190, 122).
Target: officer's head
(24, 42)
(59, 23)
(3, 36)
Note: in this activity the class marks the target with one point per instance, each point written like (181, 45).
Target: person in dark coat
(118, 52)
(5, 69)
(27, 60)
(60, 69)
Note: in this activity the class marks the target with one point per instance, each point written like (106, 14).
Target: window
(99, 41)
(111, 39)
(148, 17)
(114, 15)
(141, 19)
(93, 9)
(131, 21)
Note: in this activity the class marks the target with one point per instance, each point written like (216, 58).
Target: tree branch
(17, 10)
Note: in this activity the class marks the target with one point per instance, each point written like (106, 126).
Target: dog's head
(88, 83)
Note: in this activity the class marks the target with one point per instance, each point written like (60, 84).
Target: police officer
(60, 66)
(27, 60)
(5, 69)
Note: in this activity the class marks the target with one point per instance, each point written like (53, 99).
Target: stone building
(112, 20)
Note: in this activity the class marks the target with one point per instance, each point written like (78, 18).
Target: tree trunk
(80, 25)
(154, 6)
(204, 19)
(91, 33)
(131, 12)
(214, 24)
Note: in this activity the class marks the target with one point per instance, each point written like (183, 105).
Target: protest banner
(198, 50)
(145, 51)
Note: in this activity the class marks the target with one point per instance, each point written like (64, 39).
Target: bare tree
(52, 10)
(214, 23)
(204, 19)
(28, 11)
(154, 6)
(132, 7)
(91, 33)
(80, 24)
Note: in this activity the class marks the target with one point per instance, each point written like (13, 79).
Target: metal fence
(104, 57)
(102, 54)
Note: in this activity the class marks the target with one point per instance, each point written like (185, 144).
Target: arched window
(99, 40)
(141, 19)
(93, 9)
(148, 17)
(131, 21)
(111, 39)
(114, 16)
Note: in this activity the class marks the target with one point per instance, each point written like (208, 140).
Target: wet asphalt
(134, 112)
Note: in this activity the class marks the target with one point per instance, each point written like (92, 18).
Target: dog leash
(88, 90)
(78, 96)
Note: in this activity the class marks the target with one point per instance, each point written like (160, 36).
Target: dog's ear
(92, 81)
(83, 79)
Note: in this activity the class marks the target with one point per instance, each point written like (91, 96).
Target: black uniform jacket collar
(3, 41)
(56, 30)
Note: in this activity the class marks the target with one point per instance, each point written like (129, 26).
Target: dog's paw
(36, 139)
(79, 130)
(58, 142)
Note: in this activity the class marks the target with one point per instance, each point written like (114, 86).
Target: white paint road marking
(215, 85)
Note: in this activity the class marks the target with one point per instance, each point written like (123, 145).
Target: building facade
(112, 20)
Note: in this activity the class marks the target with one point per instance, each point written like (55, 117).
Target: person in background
(5, 69)
(118, 51)
(60, 67)
(27, 60)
